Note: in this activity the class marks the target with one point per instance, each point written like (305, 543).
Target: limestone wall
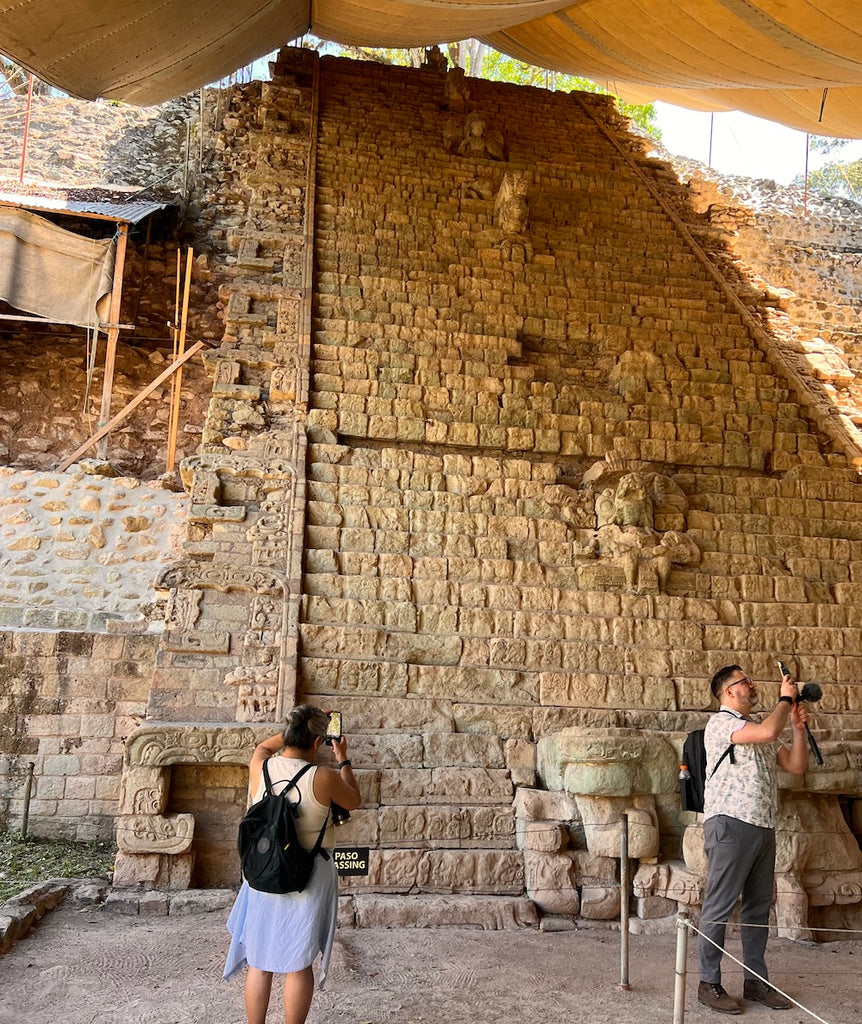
(68, 702)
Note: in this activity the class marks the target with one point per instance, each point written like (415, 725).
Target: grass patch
(24, 861)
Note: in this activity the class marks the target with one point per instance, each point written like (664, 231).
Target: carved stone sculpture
(512, 211)
(435, 59)
(640, 528)
(477, 140)
(456, 93)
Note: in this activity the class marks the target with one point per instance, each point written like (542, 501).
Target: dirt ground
(85, 966)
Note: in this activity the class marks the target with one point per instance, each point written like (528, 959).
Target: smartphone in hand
(334, 730)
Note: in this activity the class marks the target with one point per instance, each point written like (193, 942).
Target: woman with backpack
(276, 933)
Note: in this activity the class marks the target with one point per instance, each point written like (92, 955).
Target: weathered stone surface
(610, 762)
(486, 912)
(551, 881)
(602, 820)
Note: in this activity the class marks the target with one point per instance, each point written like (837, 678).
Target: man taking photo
(739, 828)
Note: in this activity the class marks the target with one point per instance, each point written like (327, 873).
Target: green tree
(835, 179)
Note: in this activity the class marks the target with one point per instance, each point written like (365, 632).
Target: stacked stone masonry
(496, 467)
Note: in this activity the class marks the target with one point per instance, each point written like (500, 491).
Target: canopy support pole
(113, 333)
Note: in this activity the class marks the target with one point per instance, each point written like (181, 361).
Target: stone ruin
(501, 461)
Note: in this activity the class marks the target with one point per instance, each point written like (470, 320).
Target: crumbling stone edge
(20, 915)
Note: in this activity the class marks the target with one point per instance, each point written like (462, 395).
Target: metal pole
(711, 126)
(26, 131)
(805, 193)
(624, 903)
(679, 971)
(28, 789)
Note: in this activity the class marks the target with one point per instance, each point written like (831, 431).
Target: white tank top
(312, 812)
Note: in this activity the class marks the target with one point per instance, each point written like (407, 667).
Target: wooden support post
(113, 333)
(179, 346)
(123, 413)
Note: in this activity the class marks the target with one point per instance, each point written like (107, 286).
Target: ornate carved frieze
(155, 833)
(271, 467)
(159, 744)
(207, 576)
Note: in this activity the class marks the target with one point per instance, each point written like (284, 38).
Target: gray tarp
(54, 273)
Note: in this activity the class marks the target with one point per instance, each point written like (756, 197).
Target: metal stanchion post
(679, 971)
(624, 902)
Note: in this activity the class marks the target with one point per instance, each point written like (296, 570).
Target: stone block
(550, 881)
(490, 913)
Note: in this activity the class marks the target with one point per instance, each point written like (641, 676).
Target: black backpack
(692, 771)
(272, 858)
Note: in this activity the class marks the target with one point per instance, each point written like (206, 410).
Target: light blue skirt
(285, 933)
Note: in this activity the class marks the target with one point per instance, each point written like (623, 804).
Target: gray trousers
(741, 862)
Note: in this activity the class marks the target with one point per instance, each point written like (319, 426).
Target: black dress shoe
(757, 992)
(716, 998)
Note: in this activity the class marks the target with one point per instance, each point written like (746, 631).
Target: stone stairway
(451, 607)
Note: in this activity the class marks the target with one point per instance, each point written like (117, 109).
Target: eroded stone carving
(511, 212)
(257, 692)
(456, 94)
(435, 59)
(640, 524)
(212, 641)
(156, 746)
(196, 575)
(155, 833)
(474, 139)
(183, 609)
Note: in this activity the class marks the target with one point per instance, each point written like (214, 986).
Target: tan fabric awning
(54, 273)
(772, 58)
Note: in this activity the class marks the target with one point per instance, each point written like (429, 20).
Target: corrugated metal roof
(129, 213)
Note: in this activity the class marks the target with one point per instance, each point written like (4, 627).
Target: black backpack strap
(729, 753)
(294, 807)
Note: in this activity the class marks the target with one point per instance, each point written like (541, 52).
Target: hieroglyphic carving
(258, 651)
(205, 505)
(265, 614)
(183, 609)
(197, 641)
(270, 536)
(221, 577)
(143, 790)
(155, 833)
(284, 381)
(228, 371)
(257, 692)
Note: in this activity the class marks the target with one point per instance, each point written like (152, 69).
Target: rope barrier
(730, 956)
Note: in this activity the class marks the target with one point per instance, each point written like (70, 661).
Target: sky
(742, 144)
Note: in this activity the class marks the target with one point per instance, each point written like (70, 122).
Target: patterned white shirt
(746, 789)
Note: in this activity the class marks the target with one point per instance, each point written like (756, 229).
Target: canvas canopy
(794, 61)
(50, 272)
